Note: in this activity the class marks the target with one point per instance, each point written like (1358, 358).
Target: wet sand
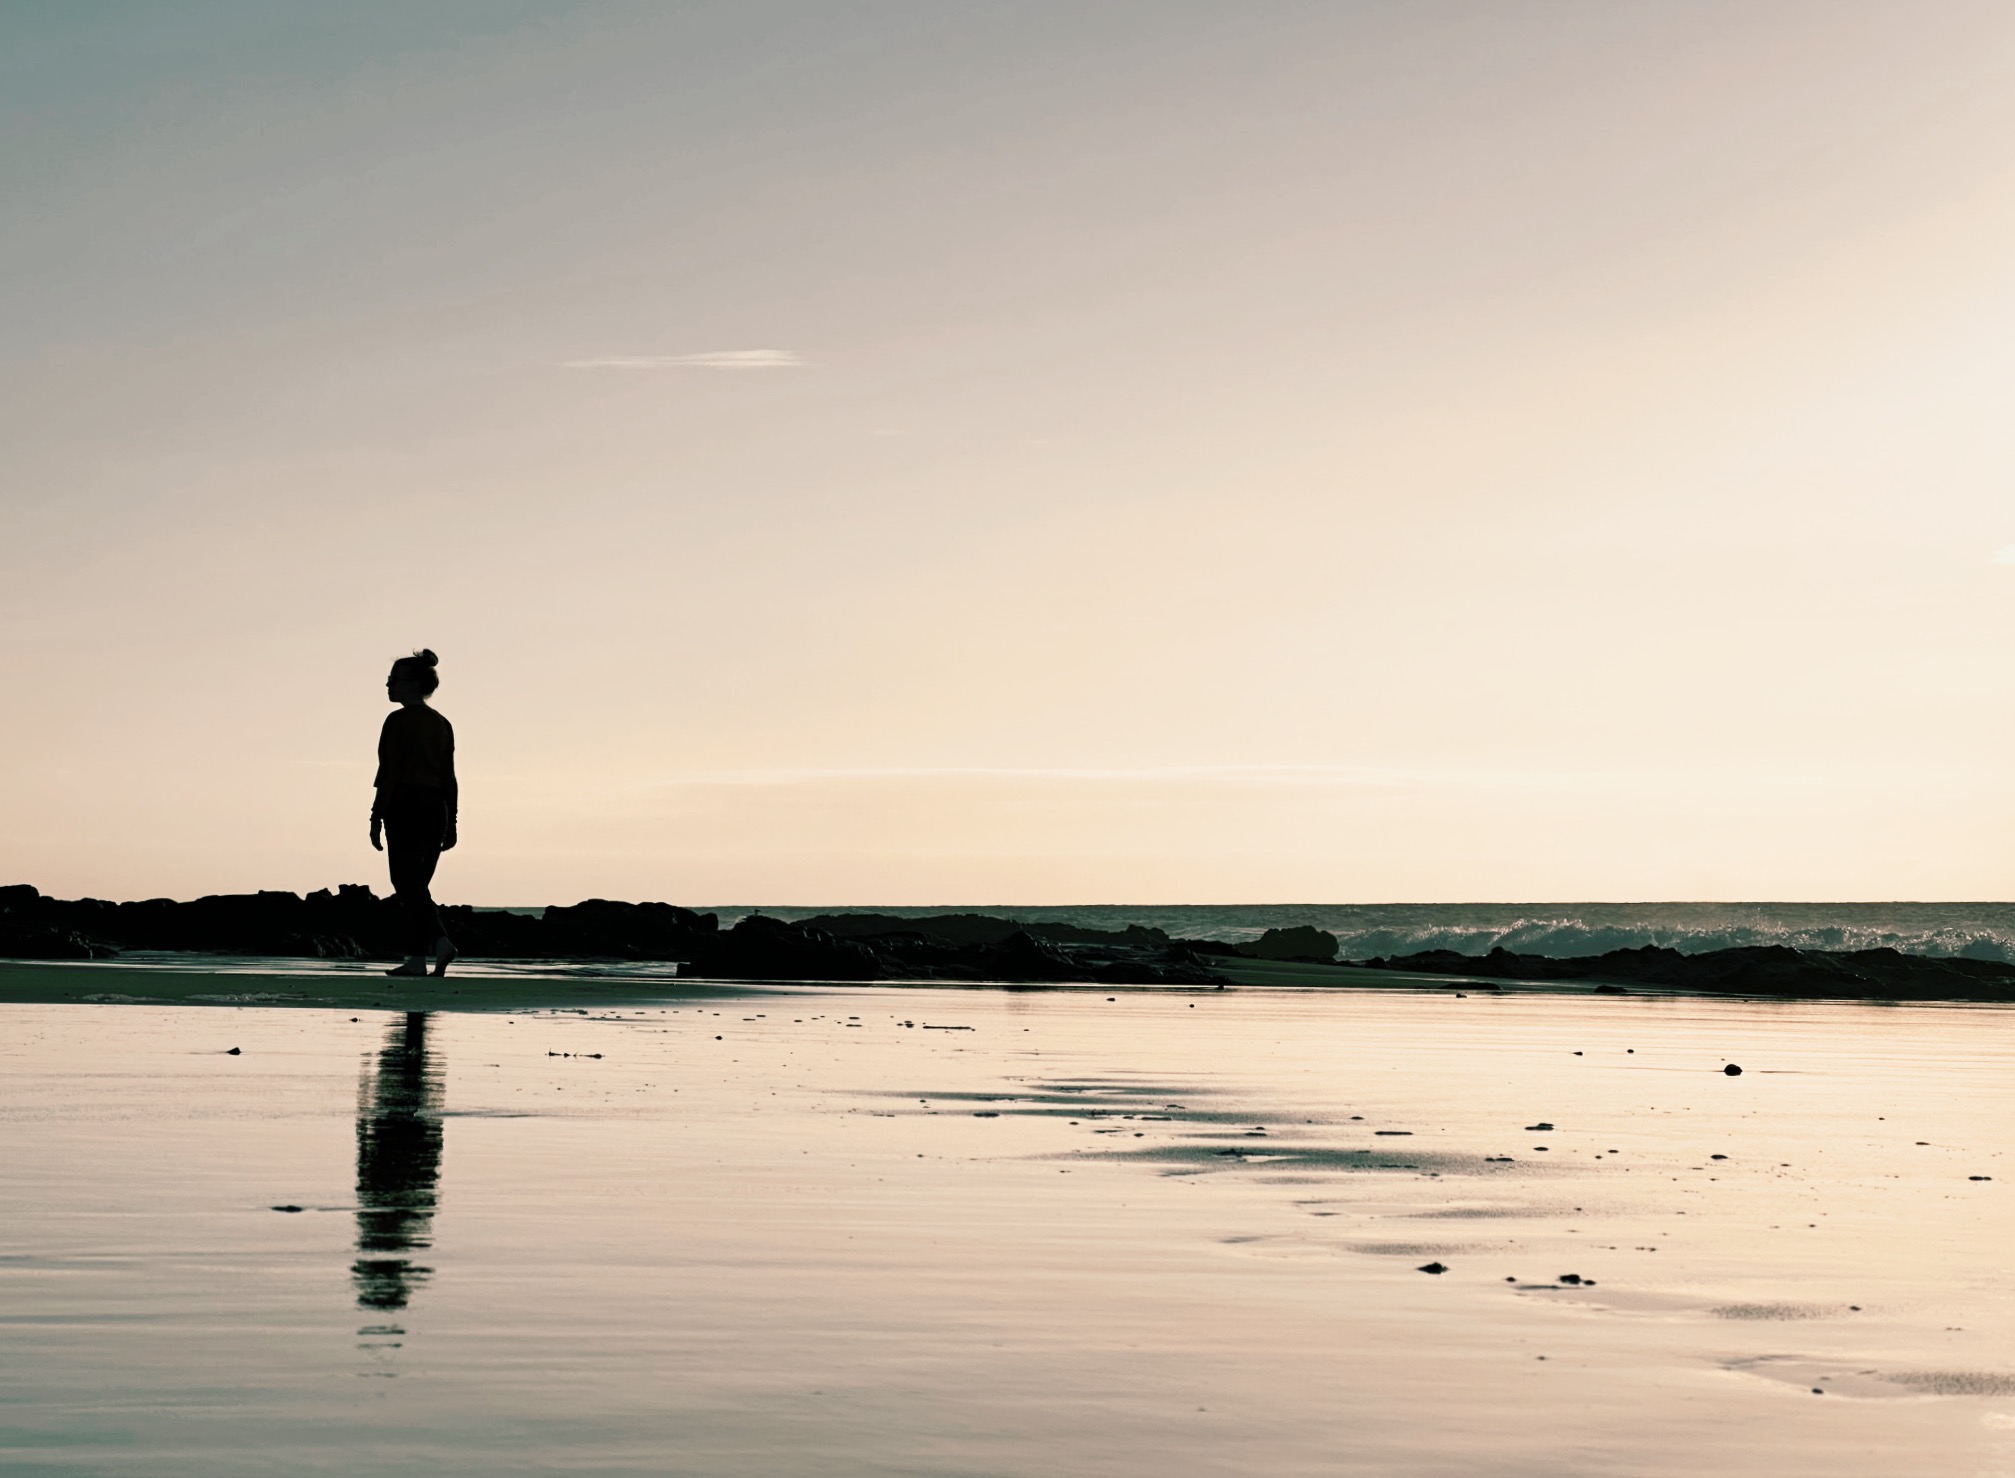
(491, 986)
(869, 1230)
(315, 985)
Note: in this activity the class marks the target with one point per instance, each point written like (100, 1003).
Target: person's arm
(451, 790)
(378, 786)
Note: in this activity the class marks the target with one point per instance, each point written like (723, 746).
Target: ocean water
(969, 1234)
(1982, 931)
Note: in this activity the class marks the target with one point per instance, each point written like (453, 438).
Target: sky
(920, 451)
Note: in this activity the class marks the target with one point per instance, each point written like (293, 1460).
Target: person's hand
(377, 834)
(448, 838)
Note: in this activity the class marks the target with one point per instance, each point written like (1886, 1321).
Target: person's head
(413, 678)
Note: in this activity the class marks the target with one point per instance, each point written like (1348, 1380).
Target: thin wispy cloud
(1311, 778)
(1260, 775)
(2005, 555)
(727, 359)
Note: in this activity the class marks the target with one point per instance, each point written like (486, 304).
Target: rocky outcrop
(598, 928)
(1762, 970)
(353, 923)
(978, 947)
(321, 925)
(1302, 942)
(980, 928)
(763, 948)
(27, 933)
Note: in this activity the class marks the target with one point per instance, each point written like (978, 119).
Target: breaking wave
(1981, 931)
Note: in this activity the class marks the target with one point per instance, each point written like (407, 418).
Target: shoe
(444, 955)
(416, 966)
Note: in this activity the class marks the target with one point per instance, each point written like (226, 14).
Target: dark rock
(233, 1051)
(1133, 936)
(286, 1208)
(351, 922)
(1022, 956)
(46, 943)
(963, 929)
(1433, 1267)
(1732, 1070)
(949, 930)
(1302, 942)
(603, 928)
(1569, 1278)
(1763, 970)
(763, 948)
(1176, 965)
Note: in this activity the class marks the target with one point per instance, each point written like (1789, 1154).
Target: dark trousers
(415, 823)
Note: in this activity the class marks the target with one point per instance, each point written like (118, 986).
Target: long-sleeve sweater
(416, 751)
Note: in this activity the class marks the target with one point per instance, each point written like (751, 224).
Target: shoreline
(349, 931)
(237, 982)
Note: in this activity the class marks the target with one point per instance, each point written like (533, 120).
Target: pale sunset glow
(1215, 453)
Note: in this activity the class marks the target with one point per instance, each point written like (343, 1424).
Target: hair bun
(426, 656)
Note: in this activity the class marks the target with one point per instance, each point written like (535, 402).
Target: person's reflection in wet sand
(398, 1166)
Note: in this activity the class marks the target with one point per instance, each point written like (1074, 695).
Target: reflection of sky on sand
(792, 1233)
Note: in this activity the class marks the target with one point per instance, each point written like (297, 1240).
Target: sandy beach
(1042, 740)
(869, 1230)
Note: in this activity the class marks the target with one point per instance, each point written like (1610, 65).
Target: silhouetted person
(398, 1166)
(415, 808)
